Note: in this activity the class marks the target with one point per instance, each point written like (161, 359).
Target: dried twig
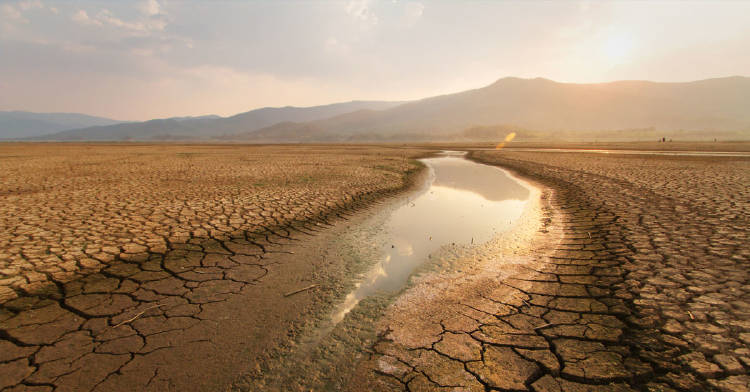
(300, 290)
(139, 314)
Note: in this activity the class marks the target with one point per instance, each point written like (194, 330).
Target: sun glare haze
(178, 58)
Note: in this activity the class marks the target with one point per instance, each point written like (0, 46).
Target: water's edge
(326, 354)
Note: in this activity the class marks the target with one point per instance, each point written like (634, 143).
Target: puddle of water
(464, 203)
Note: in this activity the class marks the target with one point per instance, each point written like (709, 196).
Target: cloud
(150, 7)
(333, 45)
(413, 11)
(82, 17)
(15, 11)
(361, 10)
(108, 18)
(30, 5)
(77, 47)
(11, 13)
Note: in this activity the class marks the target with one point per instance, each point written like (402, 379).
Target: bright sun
(618, 47)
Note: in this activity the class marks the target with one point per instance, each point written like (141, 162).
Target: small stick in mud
(139, 314)
(300, 290)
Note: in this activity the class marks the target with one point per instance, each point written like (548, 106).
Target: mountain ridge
(545, 105)
(702, 108)
(18, 124)
(207, 127)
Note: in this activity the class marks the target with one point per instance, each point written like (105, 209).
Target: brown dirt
(637, 279)
(164, 267)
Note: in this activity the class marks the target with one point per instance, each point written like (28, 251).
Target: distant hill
(534, 108)
(18, 125)
(541, 105)
(210, 127)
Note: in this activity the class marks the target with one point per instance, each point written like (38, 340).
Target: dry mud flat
(164, 267)
(636, 278)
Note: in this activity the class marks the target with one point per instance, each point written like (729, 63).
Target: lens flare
(508, 139)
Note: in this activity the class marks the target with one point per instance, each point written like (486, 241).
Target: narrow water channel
(462, 202)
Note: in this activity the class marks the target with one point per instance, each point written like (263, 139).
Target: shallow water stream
(462, 202)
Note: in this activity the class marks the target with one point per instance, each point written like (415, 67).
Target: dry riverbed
(423, 233)
(128, 267)
(637, 279)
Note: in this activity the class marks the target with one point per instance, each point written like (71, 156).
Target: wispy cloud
(13, 14)
(362, 11)
(150, 19)
(138, 26)
(82, 17)
(150, 7)
(14, 11)
(413, 11)
(9, 12)
(175, 57)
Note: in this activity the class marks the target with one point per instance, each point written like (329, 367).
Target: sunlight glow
(618, 47)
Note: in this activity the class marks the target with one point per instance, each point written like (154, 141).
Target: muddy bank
(316, 353)
(431, 336)
(683, 270)
(448, 236)
(637, 281)
(202, 311)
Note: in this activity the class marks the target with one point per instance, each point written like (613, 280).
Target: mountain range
(208, 127)
(532, 107)
(18, 124)
(540, 106)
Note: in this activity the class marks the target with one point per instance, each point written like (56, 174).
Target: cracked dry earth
(163, 267)
(637, 280)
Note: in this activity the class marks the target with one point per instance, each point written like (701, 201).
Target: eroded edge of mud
(328, 364)
(287, 366)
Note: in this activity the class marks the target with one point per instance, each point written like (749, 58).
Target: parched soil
(164, 267)
(637, 279)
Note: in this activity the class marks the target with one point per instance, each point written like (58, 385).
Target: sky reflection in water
(465, 202)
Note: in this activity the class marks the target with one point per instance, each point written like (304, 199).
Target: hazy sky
(136, 60)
